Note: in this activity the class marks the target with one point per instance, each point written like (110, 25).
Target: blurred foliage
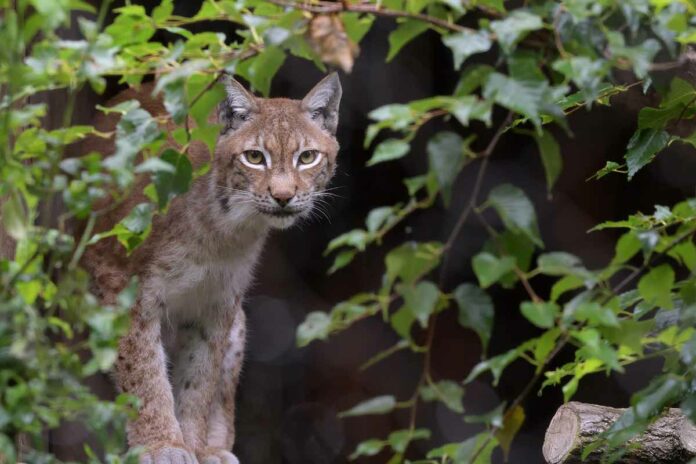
(553, 58)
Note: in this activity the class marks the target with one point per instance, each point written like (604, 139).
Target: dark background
(289, 397)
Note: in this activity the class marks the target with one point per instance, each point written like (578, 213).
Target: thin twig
(377, 10)
(473, 198)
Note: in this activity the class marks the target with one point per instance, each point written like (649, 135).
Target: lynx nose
(282, 197)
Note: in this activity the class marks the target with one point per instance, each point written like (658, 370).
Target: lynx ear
(238, 107)
(322, 102)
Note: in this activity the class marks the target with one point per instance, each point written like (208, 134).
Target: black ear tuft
(238, 107)
(322, 102)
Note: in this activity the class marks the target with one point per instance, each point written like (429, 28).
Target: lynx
(184, 349)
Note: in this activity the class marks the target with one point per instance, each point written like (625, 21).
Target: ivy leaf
(399, 439)
(476, 450)
(475, 311)
(420, 300)
(368, 448)
(642, 148)
(626, 248)
(516, 211)
(448, 392)
(468, 107)
(377, 405)
(489, 268)
(446, 157)
(655, 287)
(357, 25)
(466, 43)
(403, 34)
(495, 365)
(316, 326)
(14, 217)
(169, 184)
(512, 422)
(560, 263)
(515, 27)
(412, 260)
(550, 157)
(596, 314)
(541, 314)
(341, 260)
(377, 217)
(259, 70)
(389, 150)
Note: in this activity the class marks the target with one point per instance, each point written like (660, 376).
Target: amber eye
(308, 157)
(254, 157)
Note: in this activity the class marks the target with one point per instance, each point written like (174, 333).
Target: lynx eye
(254, 157)
(308, 157)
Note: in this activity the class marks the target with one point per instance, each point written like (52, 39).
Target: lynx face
(275, 157)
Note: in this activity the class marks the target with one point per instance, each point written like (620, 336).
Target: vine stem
(473, 198)
(377, 10)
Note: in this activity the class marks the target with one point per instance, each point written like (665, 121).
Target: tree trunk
(670, 439)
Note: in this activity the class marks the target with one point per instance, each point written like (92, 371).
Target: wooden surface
(670, 439)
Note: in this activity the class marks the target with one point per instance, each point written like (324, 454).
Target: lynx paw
(168, 455)
(217, 456)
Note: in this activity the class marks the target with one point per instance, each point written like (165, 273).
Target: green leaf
(400, 439)
(377, 217)
(476, 311)
(169, 184)
(446, 157)
(378, 405)
(512, 422)
(472, 78)
(357, 25)
(14, 217)
(476, 450)
(545, 344)
(316, 326)
(368, 448)
(342, 259)
(655, 287)
(259, 70)
(550, 157)
(468, 107)
(403, 34)
(389, 150)
(643, 147)
(489, 268)
(565, 284)
(496, 365)
(448, 392)
(466, 43)
(596, 314)
(541, 314)
(402, 321)
(139, 219)
(420, 300)
(412, 260)
(516, 211)
(560, 263)
(356, 238)
(626, 247)
(514, 27)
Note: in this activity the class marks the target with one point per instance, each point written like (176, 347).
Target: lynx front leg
(221, 430)
(196, 374)
(141, 371)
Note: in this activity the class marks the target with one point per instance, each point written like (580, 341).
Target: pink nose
(282, 196)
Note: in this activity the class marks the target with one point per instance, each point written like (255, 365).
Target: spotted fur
(183, 353)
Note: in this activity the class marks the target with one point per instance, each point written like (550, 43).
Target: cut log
(670, 439)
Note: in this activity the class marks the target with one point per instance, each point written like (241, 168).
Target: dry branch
(670, 439)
